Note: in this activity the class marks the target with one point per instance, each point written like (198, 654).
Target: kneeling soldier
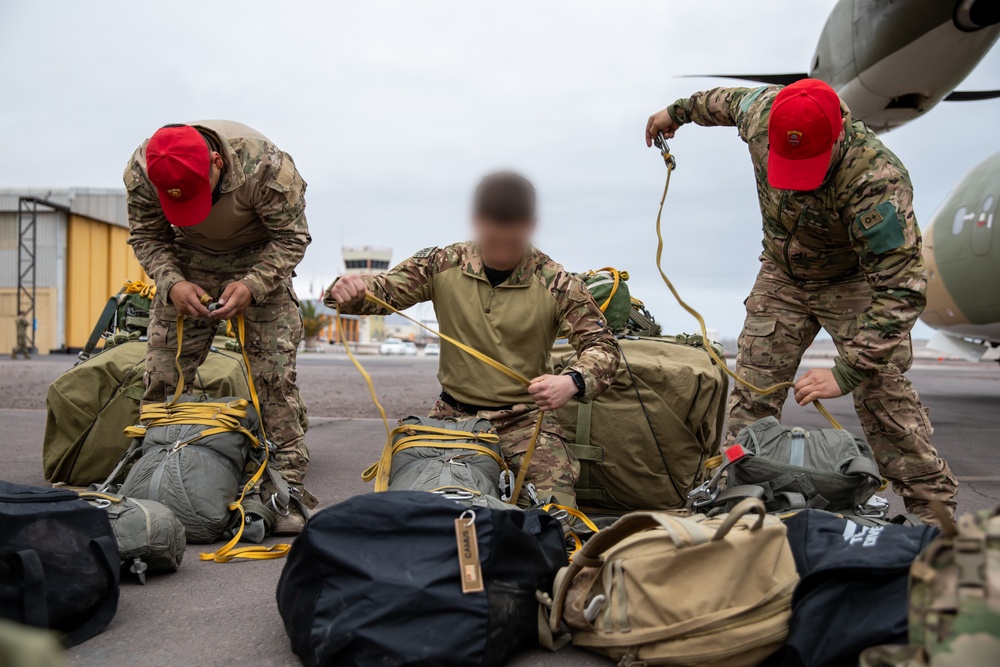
(506, 299)
(215, 207)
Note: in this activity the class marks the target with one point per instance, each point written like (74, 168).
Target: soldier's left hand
(816, 383)
(551, 392)
(234, 300)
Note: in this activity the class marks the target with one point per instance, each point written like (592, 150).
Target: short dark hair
(504, 196)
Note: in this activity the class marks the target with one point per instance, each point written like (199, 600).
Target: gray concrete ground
(212, 614)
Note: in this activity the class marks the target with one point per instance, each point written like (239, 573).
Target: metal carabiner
(661, 142)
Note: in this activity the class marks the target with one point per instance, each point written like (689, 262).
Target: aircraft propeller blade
(972, 95)
(774, 79)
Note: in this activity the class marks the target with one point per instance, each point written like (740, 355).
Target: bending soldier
(215, 207)
(841, 252)
(23, 325)
(508, 300)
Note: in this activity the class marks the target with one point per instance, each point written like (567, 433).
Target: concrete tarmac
(219, 614)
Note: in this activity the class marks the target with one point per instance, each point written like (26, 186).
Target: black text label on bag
(468, 556)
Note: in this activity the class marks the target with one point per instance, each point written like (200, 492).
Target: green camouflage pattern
(273, 333)
(21, 347)
(257, 175)
(783, 318)
(859, 224)
(553, 468)
(954, 614)
(515, 323)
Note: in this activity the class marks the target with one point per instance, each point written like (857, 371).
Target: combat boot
(290, 523)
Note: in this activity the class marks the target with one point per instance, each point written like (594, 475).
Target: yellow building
(66, 250)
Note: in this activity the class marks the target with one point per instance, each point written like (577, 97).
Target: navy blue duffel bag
(413, 578)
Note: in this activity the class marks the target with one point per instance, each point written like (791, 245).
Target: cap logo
(794, 138)
(175, 193)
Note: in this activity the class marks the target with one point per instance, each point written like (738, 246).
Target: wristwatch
(581, 385)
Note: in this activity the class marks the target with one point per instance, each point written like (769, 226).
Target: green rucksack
(610, 291)
(794, 468)
(149, 535)
(457, 458)
(194, 469)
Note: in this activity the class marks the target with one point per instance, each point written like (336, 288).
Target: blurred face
(503, 244)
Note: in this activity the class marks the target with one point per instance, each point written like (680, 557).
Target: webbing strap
(584, 414)
(383, 465)
(617, 277)
(701, 321)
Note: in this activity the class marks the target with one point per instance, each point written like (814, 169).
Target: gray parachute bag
(197, 478)
(466, 475)
(149, 536)
(794, 468)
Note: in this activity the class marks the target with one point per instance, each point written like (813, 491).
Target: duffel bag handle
(742, 508)
(630, 524)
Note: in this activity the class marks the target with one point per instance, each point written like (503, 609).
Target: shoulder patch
(881, 227)
(425, 253)
(750, 99)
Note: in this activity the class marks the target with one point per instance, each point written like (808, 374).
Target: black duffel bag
(377, 580)
(59, 566)
(852, 591)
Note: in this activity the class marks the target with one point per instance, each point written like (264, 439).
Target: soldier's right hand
(186, 297)
(348, 290)
(661, 121)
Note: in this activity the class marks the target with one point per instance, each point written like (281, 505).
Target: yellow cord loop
(701, 321)
(220, 418)
(617, 276)
(380, 471)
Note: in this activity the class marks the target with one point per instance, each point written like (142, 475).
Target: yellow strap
(701, 321)
(380, 471)
(577, 542)
(614, 287)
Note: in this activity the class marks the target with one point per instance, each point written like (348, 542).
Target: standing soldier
(23, 324)
(215, 207)
(506, 299)
(841, 252)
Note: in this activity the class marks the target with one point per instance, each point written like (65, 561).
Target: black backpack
(377, 580)
(852, 593)
(59, 566)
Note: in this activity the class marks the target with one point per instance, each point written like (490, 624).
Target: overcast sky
(392, 110)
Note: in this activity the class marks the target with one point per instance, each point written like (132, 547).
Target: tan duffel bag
(657, 589)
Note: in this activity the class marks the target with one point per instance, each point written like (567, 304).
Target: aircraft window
(988, 204)
(959, 222)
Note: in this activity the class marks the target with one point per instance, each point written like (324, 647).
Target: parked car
(410, 349)
(391, 346)
(432, 349)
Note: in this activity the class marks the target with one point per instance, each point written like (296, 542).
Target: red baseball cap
(179, 164)
(804, 125)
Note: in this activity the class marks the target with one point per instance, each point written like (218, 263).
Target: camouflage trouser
(783, 318)
(21, 347)
(553, 468)
(273, 332)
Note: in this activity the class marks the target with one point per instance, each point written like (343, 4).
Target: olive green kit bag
(658, 589)
(642, 444)
(148, 534)
(954, 618)
(89, 406)
(610, 291)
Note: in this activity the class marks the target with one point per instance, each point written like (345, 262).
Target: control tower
(365, 260)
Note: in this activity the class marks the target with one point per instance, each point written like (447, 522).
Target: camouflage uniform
(515, 323)
(22, 325)
(255, 234)
(844, 257)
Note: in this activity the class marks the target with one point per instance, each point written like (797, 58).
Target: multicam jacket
(260, 208)
(860, 221)
(515, 323)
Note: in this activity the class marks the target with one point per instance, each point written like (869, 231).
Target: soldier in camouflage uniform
(22, 325)
(509, 301)
(216, 208)
(842, 253)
